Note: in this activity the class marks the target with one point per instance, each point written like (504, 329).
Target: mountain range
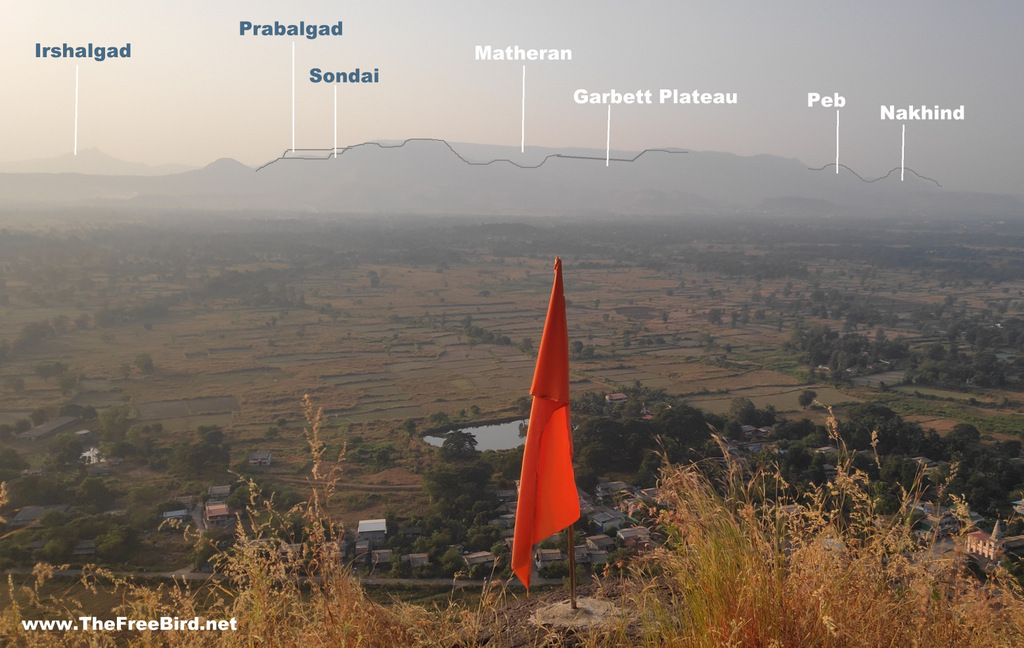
(433, 177)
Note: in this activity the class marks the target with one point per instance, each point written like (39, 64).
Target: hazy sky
(194, 90)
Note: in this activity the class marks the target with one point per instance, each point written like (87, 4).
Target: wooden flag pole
(572, 565)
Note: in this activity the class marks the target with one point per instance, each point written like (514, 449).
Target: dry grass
(310, 599)
(741, 567)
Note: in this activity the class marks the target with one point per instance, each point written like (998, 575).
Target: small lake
(501, 436)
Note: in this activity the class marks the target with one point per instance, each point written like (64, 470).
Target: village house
(545, 557)
(582, 554)
(937, 521)
(638, 538)
(606, 520)
(259, 458)
(925, 462)
(485, 558)
(372, 531)
(600, 542)
(84, 548)
(219, 493)
(417, 559)
(587, 509)
(218, 514)
(180, 515)
(32, 514)
(58, 424)
(648, 494)
(35, 546)
(631, 505)
(504, 521)
(613, 489)
(506, 495)
(98, 470)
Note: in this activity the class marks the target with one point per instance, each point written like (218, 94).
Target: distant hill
(428, 177)
(90, 162)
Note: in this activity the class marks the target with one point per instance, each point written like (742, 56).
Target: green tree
(67, 449)
(743, 410)
(56, 550)
(145, 363)
(446, 484)
(38, 416)
(458, 446)
(962, 437)
(61, 324)
(452, 562)
(576, 348)
(115, 543)
(523, 405)
(47, 370)
(94, 492)
(210, 434)
(806, 397)
(11, 460)
(67, 383)
(114, 422)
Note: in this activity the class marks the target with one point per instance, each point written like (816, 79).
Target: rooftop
(371, 526)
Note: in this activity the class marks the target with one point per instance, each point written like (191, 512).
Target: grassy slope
(736, 569)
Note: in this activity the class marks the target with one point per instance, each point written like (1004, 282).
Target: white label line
(837, 141)
(76, 109)
(293, 96)
(522, 142)
(335, 122)
(608, 138)
(903, 152)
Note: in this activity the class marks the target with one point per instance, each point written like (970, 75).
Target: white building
(373, 531)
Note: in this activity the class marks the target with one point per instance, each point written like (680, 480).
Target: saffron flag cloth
(547, 487)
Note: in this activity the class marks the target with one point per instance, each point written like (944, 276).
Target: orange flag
(547, 488)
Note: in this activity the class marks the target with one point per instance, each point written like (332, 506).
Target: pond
(501, 436)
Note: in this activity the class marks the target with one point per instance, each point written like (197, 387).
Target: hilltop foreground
(740, 567)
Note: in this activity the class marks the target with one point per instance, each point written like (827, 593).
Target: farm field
(232, 329)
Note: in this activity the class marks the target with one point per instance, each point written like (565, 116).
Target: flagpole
(572, 566)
